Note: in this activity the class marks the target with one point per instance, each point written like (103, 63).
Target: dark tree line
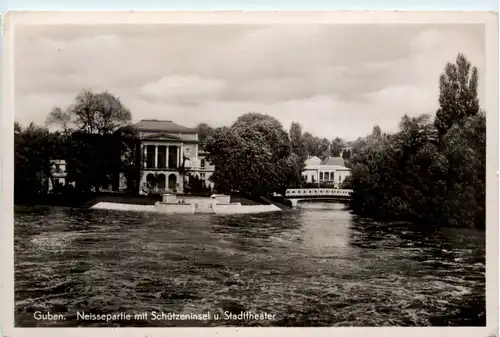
(93, 136)
(433, 170)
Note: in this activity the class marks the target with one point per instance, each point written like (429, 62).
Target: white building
(166, 146)
(330, 171)
(58, 172)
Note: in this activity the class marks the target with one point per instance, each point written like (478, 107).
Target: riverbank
(89, 200)
(188, 208)
(190, 204)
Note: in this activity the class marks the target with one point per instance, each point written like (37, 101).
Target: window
(202, 164)
(327, 175)
(340, 178)
(321, 176)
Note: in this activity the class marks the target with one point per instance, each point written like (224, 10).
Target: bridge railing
(310, 192)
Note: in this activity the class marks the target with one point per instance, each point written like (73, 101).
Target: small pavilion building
(330, 171)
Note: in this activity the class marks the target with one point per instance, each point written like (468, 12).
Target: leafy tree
(319, 147)
(100, 142)
(458, 94)
(428, 172)
(183, 170)
(34, 147)
(337, 146)
(197, 186)
(251, 156)
(131, 161)
(465, 151)
(204, 131)
(93, 113)
(297, 143)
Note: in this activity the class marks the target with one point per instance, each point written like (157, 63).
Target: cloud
(336, 80)
(182, 88)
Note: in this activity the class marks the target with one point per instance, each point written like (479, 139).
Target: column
(156, 156)
(145, 156)
(166, 153)
(181, 155)
(178, 156)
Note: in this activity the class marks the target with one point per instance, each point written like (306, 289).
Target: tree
(337, 146)
(464, 147)
(93, 113)
(183, 170)
(297, 143)
(60, 119)
(252, 156)
(100, 142)
(204, 131)
(33, 149)
(392, 177)
(458, 94)
(127, 145)
(316, 146)
(310, 143)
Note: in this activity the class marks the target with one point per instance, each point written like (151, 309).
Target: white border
(13, 19)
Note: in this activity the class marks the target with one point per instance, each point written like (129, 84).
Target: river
(315, 266)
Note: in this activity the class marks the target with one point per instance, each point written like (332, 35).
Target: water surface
(316, 266)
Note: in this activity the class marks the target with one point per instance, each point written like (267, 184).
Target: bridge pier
(295, 202)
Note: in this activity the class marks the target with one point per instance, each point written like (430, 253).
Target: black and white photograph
(253, 174)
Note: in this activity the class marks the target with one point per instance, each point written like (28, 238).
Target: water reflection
(314, 266)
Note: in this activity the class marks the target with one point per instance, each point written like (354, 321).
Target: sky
(336, 80)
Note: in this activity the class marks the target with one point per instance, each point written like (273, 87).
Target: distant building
(59, 174)
(165, 147)
(330, 171)
(203, 169)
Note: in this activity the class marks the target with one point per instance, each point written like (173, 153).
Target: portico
(162, 155)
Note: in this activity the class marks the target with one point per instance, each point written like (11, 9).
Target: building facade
(170, 156)
(59, 173)
(331, 171)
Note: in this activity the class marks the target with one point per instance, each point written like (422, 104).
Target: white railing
(317, 192)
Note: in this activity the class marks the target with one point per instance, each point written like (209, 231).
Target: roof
(333, 161)
(168, 136)
(313, 161)
(165, 126)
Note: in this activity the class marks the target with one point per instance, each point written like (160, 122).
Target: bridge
(297, 194)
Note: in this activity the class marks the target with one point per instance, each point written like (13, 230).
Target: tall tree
(297, 143)
(458, 94)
